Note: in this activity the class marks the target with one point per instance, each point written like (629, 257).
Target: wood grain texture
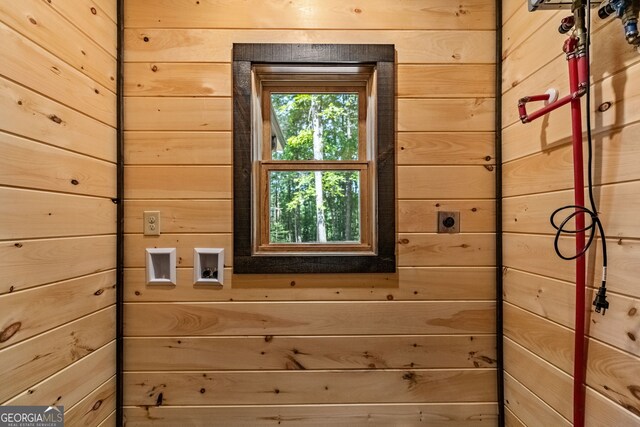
(437, 148)
(30, 214)
(440, 14)
(547, 382)
(376, 415)
(45, 26)
(528, 407)
(40, 309)
(177, 79)
(549, 298)
(31, 115)
(32, 361)
(309, 353)
(413, 283)
(535, 254)
(445, 182)
(177, 114)
(30, 164)
(421, 47)
(178, 182)
(95, 407)
(91, 20)
(420, 216)
(313, 318)
(603, 412)
(181, 216)
(292, 387)
(72, 384)
(32, 66)
(445, 81)
(617, 205)
(60, 258)
(511, 420)
(464, 114)
(439, 250)
(172, 148)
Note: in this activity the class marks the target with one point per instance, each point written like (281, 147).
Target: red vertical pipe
(577, 75)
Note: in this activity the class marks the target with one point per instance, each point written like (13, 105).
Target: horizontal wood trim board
(176, 114)
(553, 170)
(45, 307)
(421, 216)
(609, 371)
(511, 420)
(31, 115)
(177, 79)
(624, 260)
(410, 415)
(29, 362)
(446, 81)
(376, 14)
(192, 45)
(450, 182)
(617, 205)
(547, 382)
(214, 79)
(528, 407)
(172, 148)
(70, 385)
(277, 353)
(28, 64)
(293, 387)
(441, 148)
(61, 259)
(180, 216)
(31, 214)
(178, 182)
(433, 283)
(91, 21)
(467, 114)
(325, 318)
(30, 164)
(439, 250)
(549, 298)
(45, 26)
(95, 407)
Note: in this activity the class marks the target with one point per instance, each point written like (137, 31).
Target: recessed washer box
(161, 266)
(208, 266)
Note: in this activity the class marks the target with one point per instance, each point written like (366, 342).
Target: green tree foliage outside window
(315, 206)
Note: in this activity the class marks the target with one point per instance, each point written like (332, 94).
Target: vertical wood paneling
(538, 178)
(57, 181)
(178, 158)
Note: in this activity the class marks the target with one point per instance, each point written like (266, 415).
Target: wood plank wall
(311, 350)
(539, 288)
(57, 220)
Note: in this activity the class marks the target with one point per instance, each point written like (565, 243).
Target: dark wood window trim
(380, 56)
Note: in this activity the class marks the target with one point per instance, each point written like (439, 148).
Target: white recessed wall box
(208, 266)
(161, 266)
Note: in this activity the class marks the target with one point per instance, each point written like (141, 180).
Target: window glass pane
(314, 206)
(314, 126)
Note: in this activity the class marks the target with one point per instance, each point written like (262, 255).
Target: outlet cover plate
(448, 222)
(151, 223)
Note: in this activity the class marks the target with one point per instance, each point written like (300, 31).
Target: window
(314, 158)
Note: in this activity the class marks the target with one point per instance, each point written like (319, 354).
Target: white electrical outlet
(151, 223)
